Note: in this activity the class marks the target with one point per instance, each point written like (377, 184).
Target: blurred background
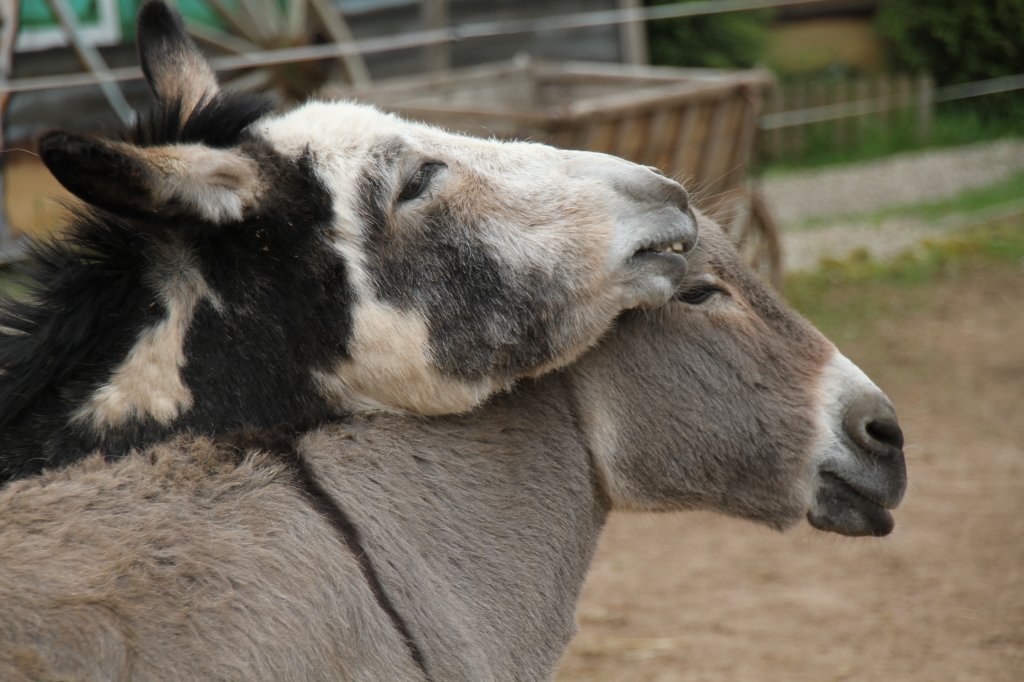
(866, 155)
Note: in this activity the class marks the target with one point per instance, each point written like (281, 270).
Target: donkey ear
(188, 180)
(175, 69)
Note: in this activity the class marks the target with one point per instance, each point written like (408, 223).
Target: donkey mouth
(844, 508)
(667, 251)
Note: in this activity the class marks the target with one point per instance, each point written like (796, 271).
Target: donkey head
(234, 267)
(475, 262)
(728, 400)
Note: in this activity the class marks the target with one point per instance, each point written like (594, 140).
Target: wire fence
(423, 38)
(841, 111)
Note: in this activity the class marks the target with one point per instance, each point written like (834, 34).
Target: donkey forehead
(350, 131)
(358, 151)
(342, 128)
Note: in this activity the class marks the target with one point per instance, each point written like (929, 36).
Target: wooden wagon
(697, 125)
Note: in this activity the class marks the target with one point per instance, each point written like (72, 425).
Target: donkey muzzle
(864, 474)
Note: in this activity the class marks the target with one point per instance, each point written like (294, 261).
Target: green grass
(954, 123)
(978, 200)
(844, 298)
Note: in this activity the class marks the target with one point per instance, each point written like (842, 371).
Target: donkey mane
(73, 315)
(218, 121)
(79, 284)
(91, 292)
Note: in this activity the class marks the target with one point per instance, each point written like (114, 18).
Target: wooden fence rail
(839, 112)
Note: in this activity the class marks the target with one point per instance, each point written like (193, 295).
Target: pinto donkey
(235, 267)
(386, 547)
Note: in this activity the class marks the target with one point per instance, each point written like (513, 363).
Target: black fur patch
(484, 318)
(218, 122)
(87, 306)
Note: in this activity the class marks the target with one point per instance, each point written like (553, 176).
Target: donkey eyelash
(698, 294)
(420, 181)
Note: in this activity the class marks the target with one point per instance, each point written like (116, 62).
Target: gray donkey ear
(175, 69)
(195, 181)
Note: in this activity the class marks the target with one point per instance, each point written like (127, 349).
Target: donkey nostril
(681, 196)
(886, 431)
(871, 423)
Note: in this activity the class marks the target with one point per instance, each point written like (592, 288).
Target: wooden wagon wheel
(756, 236)
(256, 25)
(9, 20)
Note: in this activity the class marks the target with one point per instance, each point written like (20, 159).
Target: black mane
(79, 291)
(218, 121)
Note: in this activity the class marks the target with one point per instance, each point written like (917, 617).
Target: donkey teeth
(666, 247)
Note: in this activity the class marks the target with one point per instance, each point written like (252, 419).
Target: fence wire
(875, 105)
(426, 38)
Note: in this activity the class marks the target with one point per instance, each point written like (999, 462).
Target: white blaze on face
(148, 382)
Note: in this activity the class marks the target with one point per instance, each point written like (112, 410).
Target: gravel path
(904, 179)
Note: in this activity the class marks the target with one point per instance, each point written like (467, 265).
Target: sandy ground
(700, 597)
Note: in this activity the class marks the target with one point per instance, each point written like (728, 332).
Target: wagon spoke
(260, 79)
(297, 16)
(263, 21)
(338, 29)
(239, 22)
(220, 39)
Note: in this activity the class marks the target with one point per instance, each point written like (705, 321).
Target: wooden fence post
(854, 108)
(883, 92)
(434, 15)
(861, 94)
(797, 134)
(925, 105)
(9, 15)
(841, 95)
(777, 103)
(904, 101)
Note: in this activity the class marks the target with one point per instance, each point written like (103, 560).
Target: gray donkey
(386, 547)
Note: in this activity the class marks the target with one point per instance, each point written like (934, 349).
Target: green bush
(723, 41)
(957, 41)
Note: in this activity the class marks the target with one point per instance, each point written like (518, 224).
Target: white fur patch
(148, 382)
(390, 370)
(217, 184)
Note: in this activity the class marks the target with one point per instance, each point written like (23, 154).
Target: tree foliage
(956, 41)
(730, 40)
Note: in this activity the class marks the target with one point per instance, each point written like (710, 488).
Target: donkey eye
(419, 182)
(699, 294)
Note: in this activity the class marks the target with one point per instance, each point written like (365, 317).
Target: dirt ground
(700, 597)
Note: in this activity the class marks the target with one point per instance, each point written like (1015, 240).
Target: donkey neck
(137, 334)
(493, 518)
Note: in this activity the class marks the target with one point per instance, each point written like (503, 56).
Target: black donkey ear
(177, 72)
(210, 184)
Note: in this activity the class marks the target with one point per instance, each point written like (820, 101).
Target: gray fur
(196, 561)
